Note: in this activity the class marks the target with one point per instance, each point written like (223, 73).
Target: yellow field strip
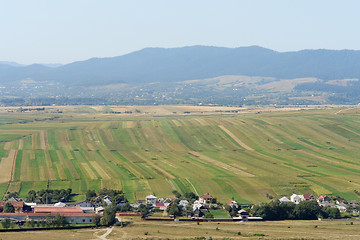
(100, 170)
(89, 171)
(235, 138)
(6, 164)
(227, 167)
(21, 144)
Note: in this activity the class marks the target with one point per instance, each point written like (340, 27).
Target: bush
(5, 223)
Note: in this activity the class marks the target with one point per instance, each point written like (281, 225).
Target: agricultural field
(235, 153)
(138, 229)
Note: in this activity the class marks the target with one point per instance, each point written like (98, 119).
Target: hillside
(237, 153)
(195, 62)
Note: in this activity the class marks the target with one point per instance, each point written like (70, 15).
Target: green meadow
(243, 156)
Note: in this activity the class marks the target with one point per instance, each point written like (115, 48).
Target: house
(197, 205)
(205, 198)
(323, 199)
(80, 204)
(198, 213)
(107, 201)
(354, 204)
(342, 207)
(160, 206)
(184, 203)
(340, 200)
(151, 199)
(308, 197)
(233, 203)
(284, 200)
(18, 205)
(296, 198)
(99, 209)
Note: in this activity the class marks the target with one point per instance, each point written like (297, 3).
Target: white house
(184, 204)
(107, 201)
(151, 199)
(197, 205)
(296, 198)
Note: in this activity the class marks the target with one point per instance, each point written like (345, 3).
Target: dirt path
(193, 186)
(103, 237)
(241, 143)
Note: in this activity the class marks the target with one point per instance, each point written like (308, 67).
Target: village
(180, 208)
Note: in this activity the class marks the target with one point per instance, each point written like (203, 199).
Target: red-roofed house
(233, 203)
(161, 206)
(205, 198)
(308, 197)
(18, 205)
(323, 198)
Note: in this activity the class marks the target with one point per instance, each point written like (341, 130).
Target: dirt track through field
(6, 164)
(241, 143)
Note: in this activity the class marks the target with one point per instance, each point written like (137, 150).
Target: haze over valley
(189, 75)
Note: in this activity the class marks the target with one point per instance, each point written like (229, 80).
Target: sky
(64, 31)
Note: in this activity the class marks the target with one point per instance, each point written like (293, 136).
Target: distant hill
(195, 62)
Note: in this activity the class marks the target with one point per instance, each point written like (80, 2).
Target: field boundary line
(192, 186)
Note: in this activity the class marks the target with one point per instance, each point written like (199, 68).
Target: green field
(244, 156)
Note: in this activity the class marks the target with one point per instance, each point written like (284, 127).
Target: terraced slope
(246, 157)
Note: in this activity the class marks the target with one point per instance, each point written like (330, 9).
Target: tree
(307, 210)
(63, 221)
(57, 219)
(125, 208)
(144, 209)
(96, 220)
(8, 208)
(175, 210)
(108, 217)
(177, 194)
(31, 196)
(6, 223)
(190, 195)
(90, 194)
(48, 220)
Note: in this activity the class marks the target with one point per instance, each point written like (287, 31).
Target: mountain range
(189, 63)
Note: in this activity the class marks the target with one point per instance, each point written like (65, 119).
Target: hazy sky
(63, 31)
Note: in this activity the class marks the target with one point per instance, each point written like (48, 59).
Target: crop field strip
(245, 157)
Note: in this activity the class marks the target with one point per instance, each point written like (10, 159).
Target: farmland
(191, 230)
(245, 154)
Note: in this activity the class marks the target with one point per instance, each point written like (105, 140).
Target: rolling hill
(189, 63)
(229, 153)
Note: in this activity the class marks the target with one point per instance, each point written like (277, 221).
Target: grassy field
(245, 155)
(189, 230)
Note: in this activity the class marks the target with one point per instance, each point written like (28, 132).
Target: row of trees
(58, 221)
(304, 211)
(49, 195)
